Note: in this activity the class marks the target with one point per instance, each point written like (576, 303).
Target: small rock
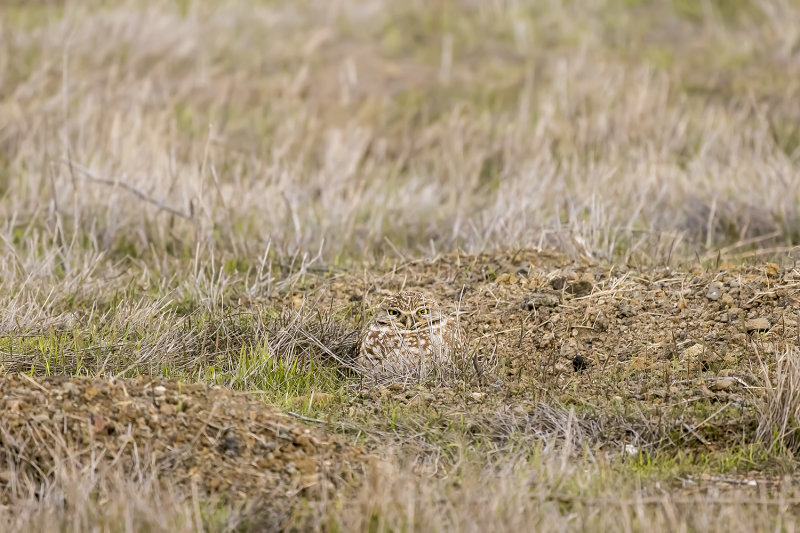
(714, 291)
(546, 339)
(506, 279)
(569, 349)
(541, 299)
(771, 270)
(727, 300)
(721, 384)
(695, 351)
(757, 324)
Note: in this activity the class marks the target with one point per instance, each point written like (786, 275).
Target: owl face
(409, 311)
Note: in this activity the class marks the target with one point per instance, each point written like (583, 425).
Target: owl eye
(423, 312)
(393, 312)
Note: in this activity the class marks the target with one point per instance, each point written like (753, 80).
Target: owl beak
(408, 321)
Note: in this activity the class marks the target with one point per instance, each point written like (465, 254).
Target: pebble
(771, 270)
(693, 352)
(757, 324)
(714, 291)
(541, 299)
(721, 384)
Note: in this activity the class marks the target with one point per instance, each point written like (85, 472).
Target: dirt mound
(589, 334)
(224, 443)
(536, 313)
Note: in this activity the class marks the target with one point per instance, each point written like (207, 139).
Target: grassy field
(219, 192)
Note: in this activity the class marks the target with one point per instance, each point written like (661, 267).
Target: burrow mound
(225, 443)
(609, 331)
(530, 309)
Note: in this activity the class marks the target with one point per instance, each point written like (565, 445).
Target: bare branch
(92, 176)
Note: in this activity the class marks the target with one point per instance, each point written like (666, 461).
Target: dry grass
(109, 500)
(552, 492)
(555, 481)
(228, 126)
(176, 178)
(779, 406)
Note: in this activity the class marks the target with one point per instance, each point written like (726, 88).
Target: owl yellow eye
(393, 312)
(423, 312)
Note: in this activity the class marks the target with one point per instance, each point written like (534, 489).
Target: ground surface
(620, 363)
(220, 442)
(659, 358)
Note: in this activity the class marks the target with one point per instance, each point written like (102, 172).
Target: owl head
(408, 311)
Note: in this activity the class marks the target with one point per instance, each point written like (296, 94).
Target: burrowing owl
(411, 338)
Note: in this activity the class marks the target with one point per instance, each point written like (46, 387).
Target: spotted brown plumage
(409, 339)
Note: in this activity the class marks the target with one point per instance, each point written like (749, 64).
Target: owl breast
(387, 352)
(410, 338)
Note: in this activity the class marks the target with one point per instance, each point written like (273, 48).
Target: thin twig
(306, 418)
(33, 382)
(91, 176)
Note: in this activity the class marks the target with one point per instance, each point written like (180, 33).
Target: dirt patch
(591, 335)
(223, 443)
(531, 308)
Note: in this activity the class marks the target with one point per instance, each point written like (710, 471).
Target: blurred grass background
(618, 129)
